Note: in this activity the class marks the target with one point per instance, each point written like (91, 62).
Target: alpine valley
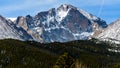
(63, 37)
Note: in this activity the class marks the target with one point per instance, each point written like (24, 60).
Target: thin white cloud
(101, 7)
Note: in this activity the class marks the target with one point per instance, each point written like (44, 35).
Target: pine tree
(64, 61)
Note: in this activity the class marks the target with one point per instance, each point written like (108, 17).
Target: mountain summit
(62, 24)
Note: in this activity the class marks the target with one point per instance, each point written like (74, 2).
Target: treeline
(74, 54)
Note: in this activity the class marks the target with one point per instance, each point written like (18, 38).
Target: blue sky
(106, 9)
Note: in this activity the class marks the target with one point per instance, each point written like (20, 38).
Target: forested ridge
(74, 54)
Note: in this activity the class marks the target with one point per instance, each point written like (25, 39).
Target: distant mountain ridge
(111, 33)
(10, 30)
(65, 23)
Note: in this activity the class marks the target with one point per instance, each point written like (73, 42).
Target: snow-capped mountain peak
(62, 11)
(62, 24)
(12, 19)
(66, 7)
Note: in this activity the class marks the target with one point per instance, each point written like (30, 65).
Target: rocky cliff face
(66, 23)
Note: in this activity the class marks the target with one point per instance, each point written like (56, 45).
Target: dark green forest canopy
(27, 54)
